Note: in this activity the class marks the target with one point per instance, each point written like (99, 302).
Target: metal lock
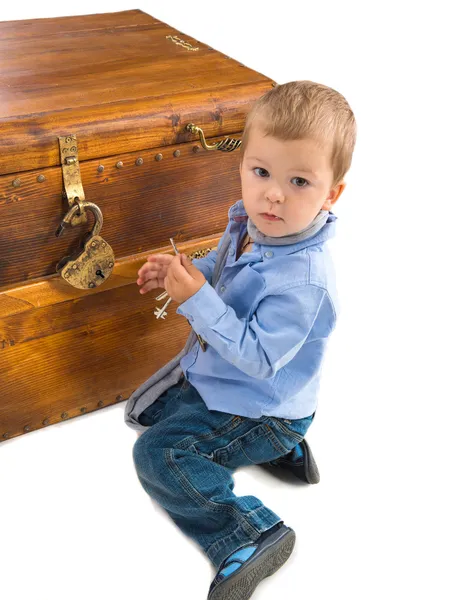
(91, 266)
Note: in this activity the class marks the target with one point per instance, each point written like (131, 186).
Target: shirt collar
(238, 214)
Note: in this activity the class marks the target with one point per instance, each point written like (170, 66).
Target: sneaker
(300, 462)
(240, 574)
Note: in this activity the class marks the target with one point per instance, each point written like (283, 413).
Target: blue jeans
(185, 462)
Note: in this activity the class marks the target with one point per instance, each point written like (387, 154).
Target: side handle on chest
(226, 145)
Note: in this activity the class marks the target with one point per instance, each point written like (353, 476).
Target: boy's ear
(333, 196)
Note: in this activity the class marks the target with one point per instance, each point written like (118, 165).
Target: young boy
(250, 397)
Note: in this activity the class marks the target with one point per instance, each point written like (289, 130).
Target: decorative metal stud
(139, 162)
(119, 165)
(119, 397)
(100, 168)
(45, 421)
(196, 149)
(158, 157)
(83, 409)
(41, 178)
(6, 435)
(101, 403)
(177, 153)
(64, 415)
(16, 183)
(27, 429)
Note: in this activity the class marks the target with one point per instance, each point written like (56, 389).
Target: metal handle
(226, 145)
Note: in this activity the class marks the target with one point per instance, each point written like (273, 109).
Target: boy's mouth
(270, 217)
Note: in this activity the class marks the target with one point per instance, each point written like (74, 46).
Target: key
(161, 296)
(159, 314)
(161, 310)
(202, 342)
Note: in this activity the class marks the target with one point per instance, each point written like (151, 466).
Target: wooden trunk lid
(121, 82)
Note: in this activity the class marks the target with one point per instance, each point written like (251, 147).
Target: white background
(75, 523)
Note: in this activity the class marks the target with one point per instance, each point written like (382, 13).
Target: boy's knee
(148, 455)
(141, 449)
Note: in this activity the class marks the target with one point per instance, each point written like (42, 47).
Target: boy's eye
(299, 181)
(261, 172)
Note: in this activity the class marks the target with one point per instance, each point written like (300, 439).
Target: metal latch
(73, 188)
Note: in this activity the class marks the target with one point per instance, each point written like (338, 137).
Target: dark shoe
(304, 467)
(240, 574)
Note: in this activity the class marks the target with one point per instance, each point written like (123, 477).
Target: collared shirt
(266, 324)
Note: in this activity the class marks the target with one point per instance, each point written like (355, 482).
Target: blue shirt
(266, 325)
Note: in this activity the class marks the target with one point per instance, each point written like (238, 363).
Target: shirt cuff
(203, 308)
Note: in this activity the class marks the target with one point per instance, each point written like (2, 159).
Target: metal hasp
(73, 188)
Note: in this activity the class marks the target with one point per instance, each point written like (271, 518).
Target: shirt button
(268, 254)
(232, 251)
(222, 289)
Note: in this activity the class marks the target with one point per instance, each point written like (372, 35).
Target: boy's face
(289, 179)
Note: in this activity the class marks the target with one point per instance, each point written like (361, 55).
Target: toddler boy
(265, 303)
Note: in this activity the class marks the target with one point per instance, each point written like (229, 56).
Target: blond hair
(307, 110)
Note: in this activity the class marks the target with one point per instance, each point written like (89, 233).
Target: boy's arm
(270, 339)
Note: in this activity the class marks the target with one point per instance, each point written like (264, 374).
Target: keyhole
(100, 273)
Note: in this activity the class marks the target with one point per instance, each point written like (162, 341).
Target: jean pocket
(257, 446)
(290, 433)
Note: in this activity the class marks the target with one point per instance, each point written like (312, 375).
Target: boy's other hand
(183, 279)
(151, 275)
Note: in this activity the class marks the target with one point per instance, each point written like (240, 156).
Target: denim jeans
(185, 460)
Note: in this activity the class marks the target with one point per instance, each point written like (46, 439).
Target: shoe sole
(310, 467)
(307, 471)
(242, 585)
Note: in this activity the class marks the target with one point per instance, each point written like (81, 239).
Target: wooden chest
(96, 109)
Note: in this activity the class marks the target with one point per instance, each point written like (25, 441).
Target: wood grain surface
(126, 85)
(118, 81)
(65, 352)
(185, 197)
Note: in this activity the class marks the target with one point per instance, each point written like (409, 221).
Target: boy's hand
(183, 279)
(152, 274)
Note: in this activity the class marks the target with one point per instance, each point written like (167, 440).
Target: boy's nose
(274, 194)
